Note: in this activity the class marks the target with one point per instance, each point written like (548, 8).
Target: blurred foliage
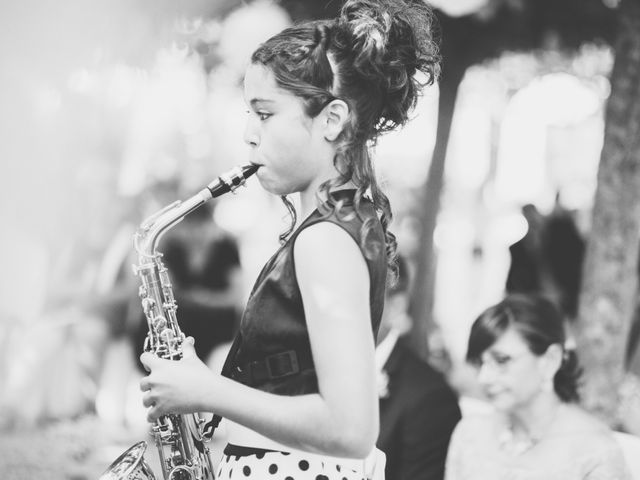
(506, 24)
(501, 25)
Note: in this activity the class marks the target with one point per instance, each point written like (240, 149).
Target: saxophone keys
(182, 472)
(159, 324)
(171, 341)
(142, 291)
(147, 305)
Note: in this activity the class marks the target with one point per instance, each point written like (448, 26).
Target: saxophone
(180, 439)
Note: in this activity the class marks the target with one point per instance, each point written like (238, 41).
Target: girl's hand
(176, 386)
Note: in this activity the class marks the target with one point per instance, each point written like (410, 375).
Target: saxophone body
(179, 438)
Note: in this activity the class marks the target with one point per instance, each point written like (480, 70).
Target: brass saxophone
(180, 439)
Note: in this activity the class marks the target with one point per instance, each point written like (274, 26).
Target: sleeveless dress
(272, 350)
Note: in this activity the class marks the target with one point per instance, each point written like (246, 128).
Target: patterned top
(475, 454)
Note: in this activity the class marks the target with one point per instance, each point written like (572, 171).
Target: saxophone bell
(131, 465)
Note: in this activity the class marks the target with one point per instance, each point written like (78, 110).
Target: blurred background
(112, 109)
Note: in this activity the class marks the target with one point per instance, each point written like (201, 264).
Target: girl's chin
(275, 185)
(270, 187)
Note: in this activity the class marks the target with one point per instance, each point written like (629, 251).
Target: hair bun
(369, 24)
(323, 36)
(391, 40)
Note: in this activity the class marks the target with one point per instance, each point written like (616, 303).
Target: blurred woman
(537, 430)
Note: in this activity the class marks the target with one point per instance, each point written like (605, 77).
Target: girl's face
(510, 375)
(288, 145)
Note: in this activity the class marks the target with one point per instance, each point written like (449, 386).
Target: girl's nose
(251, 137)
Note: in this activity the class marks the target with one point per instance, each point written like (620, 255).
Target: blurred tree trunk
(610, 273)
(427, 208)
(457, 35)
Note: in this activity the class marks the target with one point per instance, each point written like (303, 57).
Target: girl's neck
(309, 198)
(308, 203)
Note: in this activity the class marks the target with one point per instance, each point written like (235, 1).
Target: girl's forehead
(262, 91)
(257, 72)
(260, 83)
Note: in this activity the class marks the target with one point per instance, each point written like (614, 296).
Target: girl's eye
(261, 115)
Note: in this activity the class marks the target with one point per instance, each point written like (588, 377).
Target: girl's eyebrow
(254, 101)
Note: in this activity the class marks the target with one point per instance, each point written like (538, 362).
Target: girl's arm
(340, 420)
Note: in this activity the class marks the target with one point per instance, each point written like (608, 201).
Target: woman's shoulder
(575, 420)
(586, 435)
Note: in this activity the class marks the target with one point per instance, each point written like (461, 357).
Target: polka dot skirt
(282, 466)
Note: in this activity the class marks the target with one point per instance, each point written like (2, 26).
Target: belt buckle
(293, 362)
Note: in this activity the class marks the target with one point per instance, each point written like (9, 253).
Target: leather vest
(272, 349)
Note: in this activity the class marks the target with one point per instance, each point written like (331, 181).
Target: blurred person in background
(536, 431)
(548, 259)
(55, 354)
(298, 389)
(204, 266)
(528, 270)
(418, 408)
(564, 249)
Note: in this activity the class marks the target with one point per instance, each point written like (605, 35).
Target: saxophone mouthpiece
(231, 180)
(249, 170)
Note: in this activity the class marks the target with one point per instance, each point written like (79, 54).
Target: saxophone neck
(150, 231)
(153, 227)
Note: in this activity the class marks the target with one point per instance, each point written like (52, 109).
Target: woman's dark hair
(367, 57)
(539, 323)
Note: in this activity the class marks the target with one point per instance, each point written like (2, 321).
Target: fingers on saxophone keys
(147, 360)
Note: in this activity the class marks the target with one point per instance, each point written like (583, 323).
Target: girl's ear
(335, 114)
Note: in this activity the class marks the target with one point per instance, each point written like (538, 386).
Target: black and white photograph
(320, 240)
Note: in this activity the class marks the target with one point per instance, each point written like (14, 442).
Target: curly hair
(368, 57)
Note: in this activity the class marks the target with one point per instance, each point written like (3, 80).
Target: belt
(271, 367)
